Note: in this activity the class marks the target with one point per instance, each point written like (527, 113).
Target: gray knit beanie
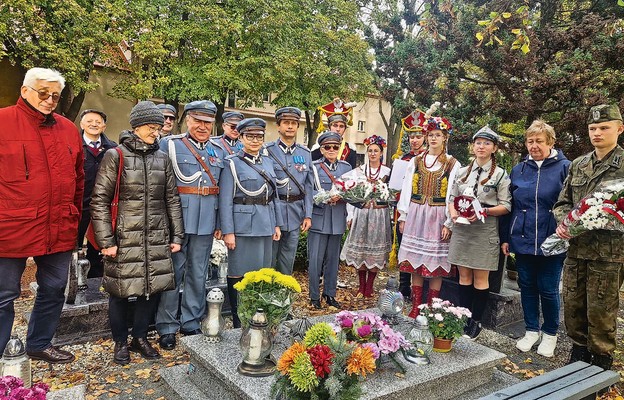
(144, 113)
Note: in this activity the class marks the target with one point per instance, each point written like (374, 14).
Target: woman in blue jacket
(535, 186)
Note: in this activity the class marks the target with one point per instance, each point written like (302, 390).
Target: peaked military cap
(292, 113)
(90, 110)
(168, 110)
(203, 110)
(604, 113)
(488, 134)
(251, 125)
(329, 137)
(232, 117)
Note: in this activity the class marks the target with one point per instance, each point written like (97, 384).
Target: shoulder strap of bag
(199, 160)
(331, 177)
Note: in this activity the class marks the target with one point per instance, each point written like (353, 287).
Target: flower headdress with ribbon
(336, 107)
(420, 121)
(375, 139)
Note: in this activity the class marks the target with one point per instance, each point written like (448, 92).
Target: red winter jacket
(41, 182)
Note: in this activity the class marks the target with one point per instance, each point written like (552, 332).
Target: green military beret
(604, 113)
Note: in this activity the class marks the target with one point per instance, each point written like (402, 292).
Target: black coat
(91, 166)
(149, 219)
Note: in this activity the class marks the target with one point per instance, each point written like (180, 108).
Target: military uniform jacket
(239, 180)
(299, 164)
(586, 173)
(328, 219)
(221, 143)
(199, 211)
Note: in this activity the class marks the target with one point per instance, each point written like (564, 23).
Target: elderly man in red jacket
(41, 185)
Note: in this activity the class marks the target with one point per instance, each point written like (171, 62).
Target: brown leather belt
(202, 191)
(259, 201)
(291, 198)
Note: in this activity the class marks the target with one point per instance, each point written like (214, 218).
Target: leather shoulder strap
(199, 160)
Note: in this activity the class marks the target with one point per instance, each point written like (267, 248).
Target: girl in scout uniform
(249, 214)
(474, 248)
(370, 236)
(423, 215)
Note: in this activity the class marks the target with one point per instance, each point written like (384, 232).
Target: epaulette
(320, 160)
(230, 156)
(344, 162)
(584, 160)
(270, 144)
(617, 161)
(178, 136)
(264, 152)
(303, 147)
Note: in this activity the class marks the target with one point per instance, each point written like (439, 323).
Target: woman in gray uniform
(249, 215)
(474, 248)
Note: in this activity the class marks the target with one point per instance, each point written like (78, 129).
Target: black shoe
(580, 353)
(332, 302)
(167, 341)
(474, 329)
(121, 354)
(316, 304)
(604, 361)
(191, 333)
(143, 347)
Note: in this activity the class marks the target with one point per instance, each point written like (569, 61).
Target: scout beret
(145, 113)
(251, 125)
(232, 117)
(604, 113)
(487, 133)
(329, 137)
(288, 113)
(337, 118)
(203, 110)
(90, 110)
(168, 109)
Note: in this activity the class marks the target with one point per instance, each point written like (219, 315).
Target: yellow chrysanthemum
(288, 282)
(415, 183)
(268, 272)
(288, 357)
(241, 285)
(361, 361)
(443, 187)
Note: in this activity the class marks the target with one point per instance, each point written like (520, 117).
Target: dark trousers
(144, 311)
(52, 270)
(93, 255)
(405, 278)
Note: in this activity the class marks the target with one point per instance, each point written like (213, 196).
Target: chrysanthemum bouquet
(324, 366)
(12, 388)
(268, 289)
(446, 321)
(603, 209)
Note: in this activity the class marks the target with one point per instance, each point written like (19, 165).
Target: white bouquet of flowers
(324, 196)
(603, 209)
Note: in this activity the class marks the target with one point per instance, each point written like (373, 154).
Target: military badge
(596, 115)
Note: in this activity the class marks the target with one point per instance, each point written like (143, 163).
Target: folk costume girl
(475, 247)
(370, 236)
(249, 214)
(424, 220)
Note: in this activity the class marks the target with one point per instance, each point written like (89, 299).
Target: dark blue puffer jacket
(534, 190)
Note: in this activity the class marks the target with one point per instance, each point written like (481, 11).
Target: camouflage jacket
(586, 173)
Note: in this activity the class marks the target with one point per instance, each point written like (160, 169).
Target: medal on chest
(299, 163)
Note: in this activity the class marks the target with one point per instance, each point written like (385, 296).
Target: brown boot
(143, 347)
(416, 301)
(121, 354)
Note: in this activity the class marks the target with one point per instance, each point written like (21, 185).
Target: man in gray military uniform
(292, 163)
(171, 115)
(197, 164)
(229, 142)
(594, 267)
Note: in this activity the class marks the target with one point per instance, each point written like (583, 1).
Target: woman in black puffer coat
(137, 255)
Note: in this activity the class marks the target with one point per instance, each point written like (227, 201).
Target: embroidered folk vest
(431, 187)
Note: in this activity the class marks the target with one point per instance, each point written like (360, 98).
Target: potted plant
(268, 289)
(446, 322)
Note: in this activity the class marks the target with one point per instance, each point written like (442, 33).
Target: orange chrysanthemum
(361, 361)
(286, 360)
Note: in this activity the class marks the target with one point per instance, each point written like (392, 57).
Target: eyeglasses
(44, 94)
(334, 147)
(484, 143)
(153, 128)
(169, 117)
(254, 138)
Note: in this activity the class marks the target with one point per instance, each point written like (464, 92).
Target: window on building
(266, 98)
(231, 100)
(360, 126)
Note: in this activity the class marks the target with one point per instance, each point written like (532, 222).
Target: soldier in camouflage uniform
(594, 267)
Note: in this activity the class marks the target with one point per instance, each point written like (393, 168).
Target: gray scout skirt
(476, 245)
(251, 254)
